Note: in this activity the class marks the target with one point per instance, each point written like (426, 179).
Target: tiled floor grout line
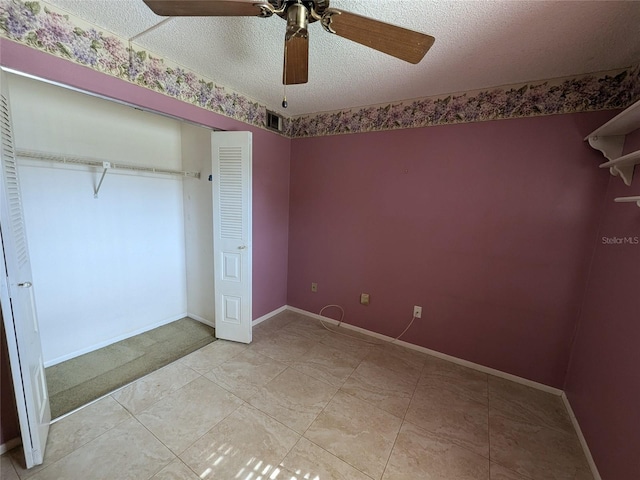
(244, 403)
(207, 432)
(525, 477)
(177, 455)
(163, 444)
(278, 421)
(11, 464)
(330, 400)
(404, 417)
(302, 435)
(323, 409)
(339, 458)
(200, 375)
(338, 389)
(320, 413)
(74, 450)
(395, 440)
(316, 417)
(157, 401)
(247, 404)
(187, 466)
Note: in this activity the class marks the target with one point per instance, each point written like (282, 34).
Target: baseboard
(253, 323)
(434, 353)
(201, 319)
(10, 445)
(583, 441)
(106, 343)
(269, 315)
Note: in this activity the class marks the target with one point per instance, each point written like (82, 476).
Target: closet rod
(58, 158)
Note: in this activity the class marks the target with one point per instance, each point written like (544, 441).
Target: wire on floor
(352, 336)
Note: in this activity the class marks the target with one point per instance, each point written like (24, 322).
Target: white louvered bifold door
(232, 234)
(18, 302)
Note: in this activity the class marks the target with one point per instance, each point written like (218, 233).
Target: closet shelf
(59, 158)
(628, 200)
(105, 165)
(623, 166)
(609, 139)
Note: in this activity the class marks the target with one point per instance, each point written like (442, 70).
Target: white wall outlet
(314, 287)
(417, 311)
(364, 298)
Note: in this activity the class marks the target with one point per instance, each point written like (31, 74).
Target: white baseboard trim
(106, 343)
(583, 441)
(253, 323)
(269, 315)
(202, 320)
(10, 445)
(434, 353)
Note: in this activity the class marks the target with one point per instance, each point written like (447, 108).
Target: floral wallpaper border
(35, 24)
(40, 26)
(606, 91)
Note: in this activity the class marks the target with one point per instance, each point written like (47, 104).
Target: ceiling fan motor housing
(316, 6)
(297, 20)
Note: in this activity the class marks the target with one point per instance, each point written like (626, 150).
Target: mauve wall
(270, 166)
(603, 381)
(489, 226)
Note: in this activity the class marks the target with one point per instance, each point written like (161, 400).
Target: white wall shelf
(623, 166)
(622, 124)
(609, 139)
(628, 200)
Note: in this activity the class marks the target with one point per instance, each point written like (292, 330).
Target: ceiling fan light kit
(399, 42)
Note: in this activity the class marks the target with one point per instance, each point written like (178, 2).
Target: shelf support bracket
(609, 139)
(106, 166)
(610, 146)
(626, 173)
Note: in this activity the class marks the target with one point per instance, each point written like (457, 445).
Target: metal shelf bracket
(106, 166)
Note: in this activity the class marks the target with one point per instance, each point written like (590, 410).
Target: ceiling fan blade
(296, 60)
(407, 45)
(208, 8)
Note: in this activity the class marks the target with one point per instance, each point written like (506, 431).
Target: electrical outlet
(417, 311)
(364, 298)
(314, 287)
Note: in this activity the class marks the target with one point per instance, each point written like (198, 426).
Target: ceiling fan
(399, 42)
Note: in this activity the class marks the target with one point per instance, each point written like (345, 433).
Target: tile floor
(303, 403)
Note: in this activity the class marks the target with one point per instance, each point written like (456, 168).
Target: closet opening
(118, 213)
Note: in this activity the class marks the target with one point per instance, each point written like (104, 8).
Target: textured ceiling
(479, 44)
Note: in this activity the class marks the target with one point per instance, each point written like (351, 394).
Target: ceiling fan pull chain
(285, 104)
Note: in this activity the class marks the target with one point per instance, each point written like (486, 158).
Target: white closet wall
(107, 268)
(198, 218)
